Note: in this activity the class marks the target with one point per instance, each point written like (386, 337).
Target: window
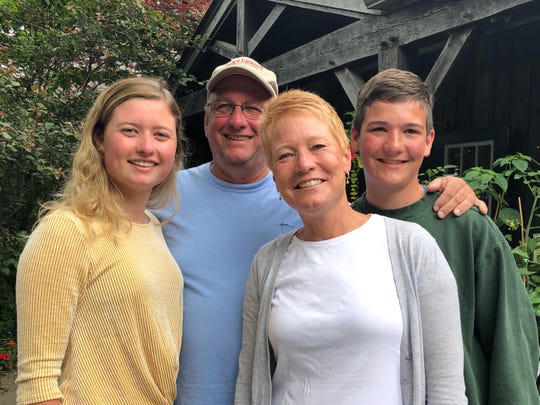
(467, 155)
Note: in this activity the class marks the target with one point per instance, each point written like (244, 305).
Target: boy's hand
(457, 197)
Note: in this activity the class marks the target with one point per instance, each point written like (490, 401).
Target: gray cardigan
(431, 347)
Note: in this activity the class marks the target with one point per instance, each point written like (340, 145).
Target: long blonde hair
(89, 191)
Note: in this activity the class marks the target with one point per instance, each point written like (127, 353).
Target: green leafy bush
(511, 217)
(55, 57)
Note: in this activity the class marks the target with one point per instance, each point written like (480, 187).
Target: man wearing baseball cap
(228, 209)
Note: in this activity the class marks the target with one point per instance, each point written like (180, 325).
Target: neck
(386, 199)
(241, 174)
(135, 208)
(334, 224)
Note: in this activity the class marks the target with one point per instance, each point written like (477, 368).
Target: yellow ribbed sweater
(98, 322)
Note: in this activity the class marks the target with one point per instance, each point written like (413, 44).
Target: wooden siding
(494, 87)
(482, 56)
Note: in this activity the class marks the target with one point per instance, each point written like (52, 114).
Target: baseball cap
(247, 67)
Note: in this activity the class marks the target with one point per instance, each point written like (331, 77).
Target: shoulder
(267, 261)
(62, 219)
(405, 229)
(476, 223)
(61, 232)
(193, 173)
(66, 226)
(276, 245)
(410, 239)
(271, 253)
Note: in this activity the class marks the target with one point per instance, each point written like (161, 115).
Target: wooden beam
(215, 22)
(348, 8)
(362, 39)
(447, 57)
(241, 27)
(350, 83)
(193, 103)
(391, 57)
(264, 28)
(225, 49)
(387, 6)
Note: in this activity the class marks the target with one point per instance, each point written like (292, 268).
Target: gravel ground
(7, 389)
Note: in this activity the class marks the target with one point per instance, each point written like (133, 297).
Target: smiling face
(139, 146)
(308, 164)
(393, 142)
(234, 140)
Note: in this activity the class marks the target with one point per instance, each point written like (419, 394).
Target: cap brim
(238, 70)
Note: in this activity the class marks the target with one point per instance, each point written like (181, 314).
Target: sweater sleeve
(50, 278)
(506, 327)
(441, 327)
(246, 364)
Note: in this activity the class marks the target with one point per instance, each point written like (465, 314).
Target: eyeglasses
(225, 109)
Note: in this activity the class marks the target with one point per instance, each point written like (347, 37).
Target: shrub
(519, 224)
(55, 57)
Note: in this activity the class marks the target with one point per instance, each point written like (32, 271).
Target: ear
(347, 159)
(97, 140)
(429, 143)
(206, 123)
(355, 148)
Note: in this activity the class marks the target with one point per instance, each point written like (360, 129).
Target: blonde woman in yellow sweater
(99, 297)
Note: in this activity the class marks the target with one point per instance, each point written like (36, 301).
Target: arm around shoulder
(456, 197)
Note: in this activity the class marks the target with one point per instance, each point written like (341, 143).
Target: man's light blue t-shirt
(214, 236)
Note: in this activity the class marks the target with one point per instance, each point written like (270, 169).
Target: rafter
(447, 57)
(363, 38)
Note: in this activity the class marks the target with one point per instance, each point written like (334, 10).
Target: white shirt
(335, 324)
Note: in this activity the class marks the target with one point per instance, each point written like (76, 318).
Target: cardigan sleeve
(254, 382)
(50, 278)
(432, 348)
(246, 363)
(440, 324)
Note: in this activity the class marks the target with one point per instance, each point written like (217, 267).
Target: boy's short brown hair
(393, 86)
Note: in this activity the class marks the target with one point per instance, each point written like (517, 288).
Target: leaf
(521, 165)
(517, 251)
(501, 182)
(508, 213)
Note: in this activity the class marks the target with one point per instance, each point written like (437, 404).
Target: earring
(346, 178)
(280, 197)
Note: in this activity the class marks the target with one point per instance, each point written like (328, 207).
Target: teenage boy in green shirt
(393, 132)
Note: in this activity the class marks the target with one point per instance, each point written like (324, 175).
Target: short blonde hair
(89, 191)
(300, 102)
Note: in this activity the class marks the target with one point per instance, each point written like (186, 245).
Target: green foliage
(513, 218)
(55, 57)
(432, 174)
(355, 178)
